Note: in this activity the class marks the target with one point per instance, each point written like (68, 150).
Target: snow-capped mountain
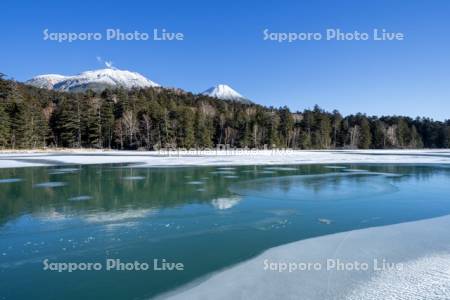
(99, 80)
(225, 92)
(96, 80)
(46, 81)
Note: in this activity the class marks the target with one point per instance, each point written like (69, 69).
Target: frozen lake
(207, 218)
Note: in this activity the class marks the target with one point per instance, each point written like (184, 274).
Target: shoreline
(27, 158)
(421, 248)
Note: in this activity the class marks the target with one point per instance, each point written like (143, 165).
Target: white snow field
(405, 261)
(221, 157)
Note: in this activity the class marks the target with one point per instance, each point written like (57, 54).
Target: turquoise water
(206, 218)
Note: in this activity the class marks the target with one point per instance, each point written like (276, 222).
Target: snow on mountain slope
(101, 79)
(96, 80)
(225, 92)
(46, 81)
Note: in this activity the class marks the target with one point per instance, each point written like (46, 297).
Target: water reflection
(77, 190)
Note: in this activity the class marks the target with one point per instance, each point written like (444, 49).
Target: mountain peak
(96, 80)
(225, 92)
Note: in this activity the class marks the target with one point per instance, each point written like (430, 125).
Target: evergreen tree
(379, 135)
(155, 117)
(203, 131)
(403, 133)
(336, 124)
(186, 137)
(4, 126)
(67, 122)
(286, 126)
(322, 132)
(107, 122)
(365, 138)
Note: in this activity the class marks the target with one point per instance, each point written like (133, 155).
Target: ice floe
(133, 178)
(10, 180)
(281, 169)
(223, 172)
(195, 182)
(80, 198)
(50, 184)
(325, 221)
(58, 171)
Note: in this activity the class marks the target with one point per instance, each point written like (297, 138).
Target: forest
(155, 118)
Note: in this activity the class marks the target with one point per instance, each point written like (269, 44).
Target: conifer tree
(155, 117)
(365, 138)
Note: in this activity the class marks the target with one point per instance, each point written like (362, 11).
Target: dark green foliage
(365, 139)
(155, 117)
(23, 122)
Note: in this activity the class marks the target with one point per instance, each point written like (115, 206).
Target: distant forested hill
(153, 118)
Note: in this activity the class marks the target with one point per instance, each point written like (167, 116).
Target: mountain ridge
(96, 80)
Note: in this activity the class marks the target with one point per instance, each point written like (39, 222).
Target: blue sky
(224, 44)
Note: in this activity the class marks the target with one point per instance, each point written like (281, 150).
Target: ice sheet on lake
(223, 158)
(348, 185)
(423, 278)
(421, 248)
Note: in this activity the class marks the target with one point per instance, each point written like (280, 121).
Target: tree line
(155, 118)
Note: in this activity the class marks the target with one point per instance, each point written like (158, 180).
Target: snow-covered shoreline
(17, 159)
(412, 259)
